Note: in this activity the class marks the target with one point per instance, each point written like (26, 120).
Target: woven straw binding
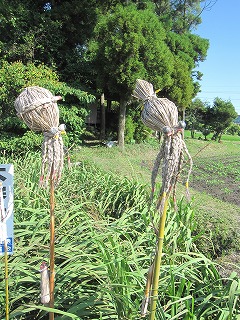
(37, 107)
(158, 112)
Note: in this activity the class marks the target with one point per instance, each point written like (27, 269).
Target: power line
(221, 91)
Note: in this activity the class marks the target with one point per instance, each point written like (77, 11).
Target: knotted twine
(161, 114)
(38, 108)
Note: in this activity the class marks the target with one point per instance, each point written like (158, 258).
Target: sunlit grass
(225, 137)
(104, 246)
(136, 162)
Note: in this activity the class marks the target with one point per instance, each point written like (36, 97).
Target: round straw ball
(159, 113)
(37, 107)
(143, 90)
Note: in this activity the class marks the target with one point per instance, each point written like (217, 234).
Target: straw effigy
(161, 114)
(38, 108)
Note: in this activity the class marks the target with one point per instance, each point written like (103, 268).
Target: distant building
(93, 117)
(237, 120)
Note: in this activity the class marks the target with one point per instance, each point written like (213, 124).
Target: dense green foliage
(132, 42)
(129, 44)
(16, 76)
(101, 47)
(233, 129)
(104, 243)
(104, 46)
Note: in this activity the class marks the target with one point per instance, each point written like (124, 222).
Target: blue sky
(221, 69)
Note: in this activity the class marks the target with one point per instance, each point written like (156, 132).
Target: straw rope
(38, 108)
(161, 114)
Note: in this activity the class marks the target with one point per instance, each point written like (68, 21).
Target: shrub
(16, 76)
(233, 129)
(129, 130)
(139, 132)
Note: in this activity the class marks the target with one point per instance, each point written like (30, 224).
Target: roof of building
(237, 120)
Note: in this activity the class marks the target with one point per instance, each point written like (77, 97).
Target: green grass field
(104, 240)
(218, 217)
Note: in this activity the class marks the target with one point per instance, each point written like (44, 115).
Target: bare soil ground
(221, 179)
(218, 177)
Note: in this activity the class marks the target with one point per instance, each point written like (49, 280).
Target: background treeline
(85, 50)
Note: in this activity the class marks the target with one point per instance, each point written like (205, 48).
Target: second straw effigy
(161, 114)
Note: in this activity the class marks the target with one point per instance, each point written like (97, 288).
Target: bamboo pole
(6, 279)
(158, 259)
(52, 240)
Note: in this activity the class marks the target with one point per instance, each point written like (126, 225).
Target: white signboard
(6, 207)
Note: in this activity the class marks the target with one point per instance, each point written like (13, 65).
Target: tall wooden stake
(6, 278)
(158, 259)
(52, 240)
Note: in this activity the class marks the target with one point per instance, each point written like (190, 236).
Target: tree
(220, 116)
(127, 39)
(188, 50)
(182, 15)
(28, 35)
(54, 33)
(129, 44)
(185, 14)
(233, 129)
(196, 117)
(216, 118)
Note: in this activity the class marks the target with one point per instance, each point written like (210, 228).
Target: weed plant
(103, 248)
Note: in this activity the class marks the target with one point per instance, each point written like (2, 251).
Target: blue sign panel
(6, 208)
